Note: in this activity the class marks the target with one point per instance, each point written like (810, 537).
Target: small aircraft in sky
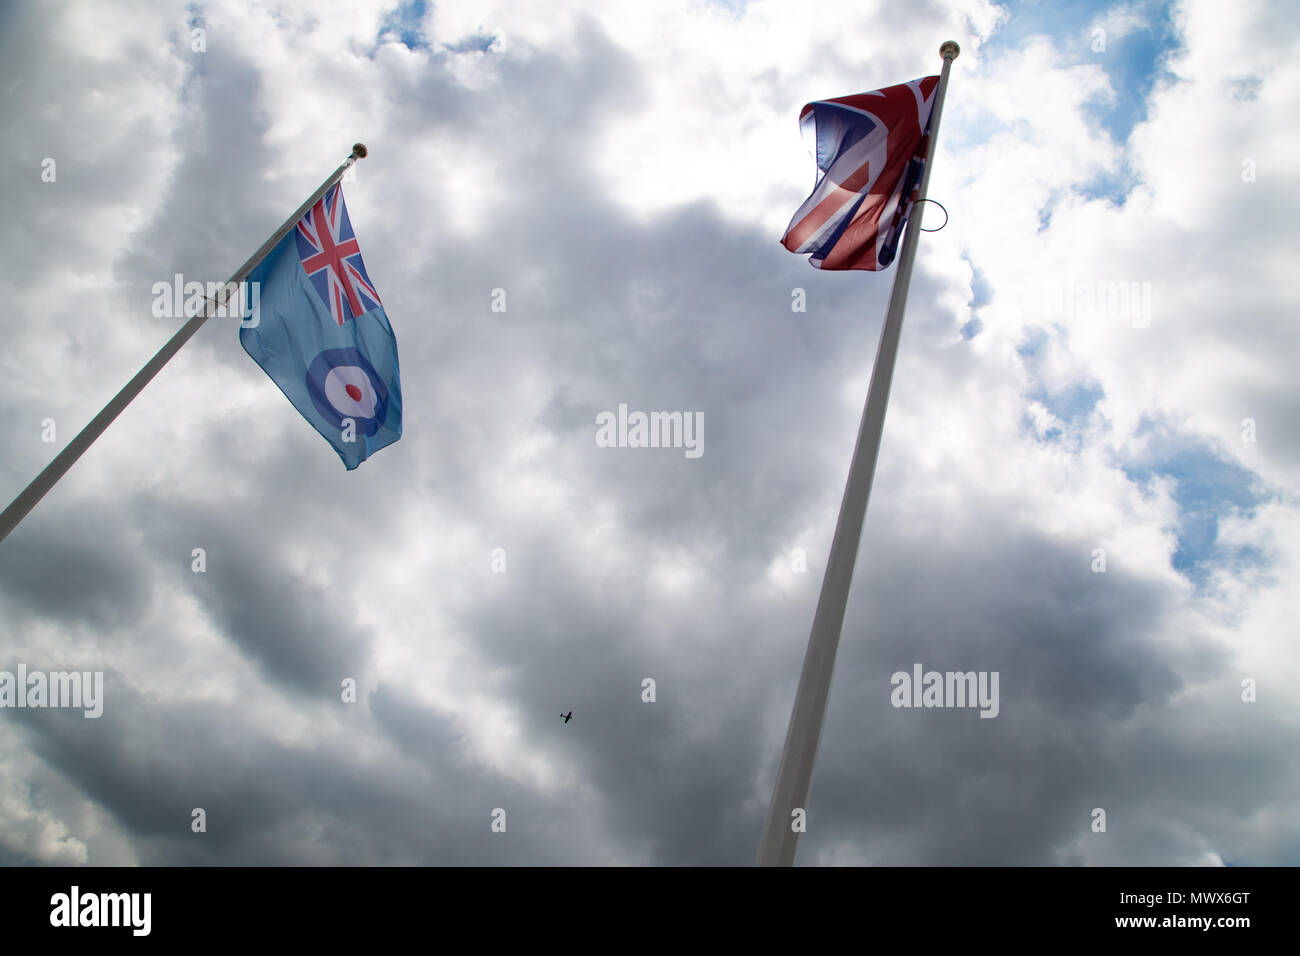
(567, 717)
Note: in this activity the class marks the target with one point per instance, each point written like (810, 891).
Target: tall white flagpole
(64, 460)
(780, 837)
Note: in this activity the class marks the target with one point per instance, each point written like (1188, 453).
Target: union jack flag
(870, 150)
(332, 259)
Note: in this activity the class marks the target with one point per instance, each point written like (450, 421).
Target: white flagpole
(780, 839)
(64, 460)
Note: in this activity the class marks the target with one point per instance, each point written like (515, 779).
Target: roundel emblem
(343, 384)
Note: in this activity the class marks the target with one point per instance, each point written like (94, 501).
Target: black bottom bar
(670, 906)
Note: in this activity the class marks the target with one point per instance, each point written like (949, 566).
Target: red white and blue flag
(870, 150)
(332, 259)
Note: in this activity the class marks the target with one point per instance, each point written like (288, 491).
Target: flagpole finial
(359, 149)
(948, 51)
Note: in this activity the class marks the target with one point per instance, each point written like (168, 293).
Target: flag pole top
(948, 51)
(359, 149)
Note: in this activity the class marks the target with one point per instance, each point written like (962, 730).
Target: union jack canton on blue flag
(321, 334)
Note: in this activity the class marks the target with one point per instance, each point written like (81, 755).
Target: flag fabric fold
(870, 150)
(319, 330)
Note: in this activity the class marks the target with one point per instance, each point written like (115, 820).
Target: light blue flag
(319, 330)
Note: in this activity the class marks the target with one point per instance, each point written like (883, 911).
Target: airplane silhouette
(567, 717)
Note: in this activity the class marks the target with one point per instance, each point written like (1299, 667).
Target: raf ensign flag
(870, 150)
(320, 332)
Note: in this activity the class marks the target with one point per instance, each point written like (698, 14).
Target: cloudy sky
(1099, 353)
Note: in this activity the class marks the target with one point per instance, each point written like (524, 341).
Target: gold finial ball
(359, 149)
(949, 50)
